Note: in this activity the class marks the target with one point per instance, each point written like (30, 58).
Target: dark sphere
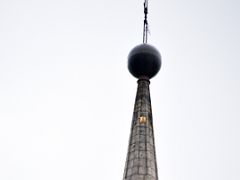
(144, 61)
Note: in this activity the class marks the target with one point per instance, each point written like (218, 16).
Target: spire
(141, 157)
(144, 62)
(145, 22)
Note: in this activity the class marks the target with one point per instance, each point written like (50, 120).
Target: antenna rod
(145, 25)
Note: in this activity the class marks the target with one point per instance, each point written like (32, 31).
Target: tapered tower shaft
(141, 157)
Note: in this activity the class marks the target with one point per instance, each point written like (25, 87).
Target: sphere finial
(144, 60)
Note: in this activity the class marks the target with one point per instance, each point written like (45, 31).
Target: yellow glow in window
(143, 120)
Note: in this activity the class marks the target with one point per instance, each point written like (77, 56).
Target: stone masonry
(141, 156)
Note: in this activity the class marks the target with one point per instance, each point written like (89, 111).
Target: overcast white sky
(66, 97)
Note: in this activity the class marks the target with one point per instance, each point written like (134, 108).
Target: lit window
(143, 120)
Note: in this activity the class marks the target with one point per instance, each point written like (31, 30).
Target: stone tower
(144, 62)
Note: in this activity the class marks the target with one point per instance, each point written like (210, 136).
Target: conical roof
(141, 157)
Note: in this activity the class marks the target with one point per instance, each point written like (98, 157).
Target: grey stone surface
(141, 158)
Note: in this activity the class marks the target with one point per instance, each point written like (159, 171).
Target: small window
(143, 120)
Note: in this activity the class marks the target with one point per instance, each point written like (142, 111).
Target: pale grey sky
(66, 97)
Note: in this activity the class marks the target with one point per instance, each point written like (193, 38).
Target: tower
(144, 62)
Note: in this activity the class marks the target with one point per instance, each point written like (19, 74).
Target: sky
(66, 96)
